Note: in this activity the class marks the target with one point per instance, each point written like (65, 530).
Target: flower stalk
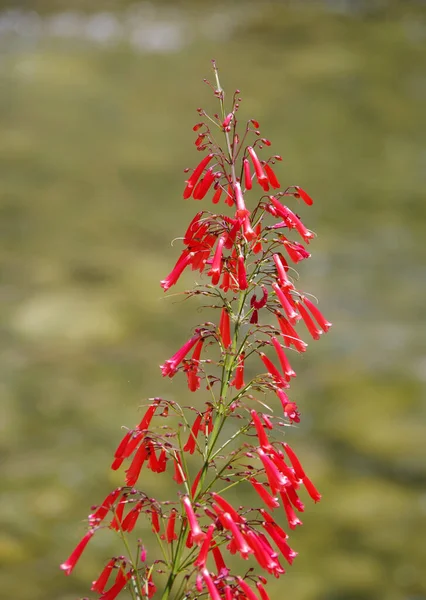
(257, 309)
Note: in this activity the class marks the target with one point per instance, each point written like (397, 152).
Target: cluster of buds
(247, 258)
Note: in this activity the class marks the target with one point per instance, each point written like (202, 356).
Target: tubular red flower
(200, 561)
(311, 489)
(226, 507)
(261, 433)
(292, 315)
(196, 482)
(298, 469)
(296, 251)
(120, 582)
(179, 475)
(285, 365)
(225, 328)
(294, 499)
(250, 595)
(192, 370)
(197, 535)
(191, 443)
(292, 518)
(169, 368)
(271, 176)
(195, 175)
(99, 515)
(268, 499)
(155, 521)
(170, 530)
(242, 211)
(265, 558)
(273, 371)
(178, 269)
(238, 381)
(276, 479)
(305, 197)
(214, 594)
(203, 185)
(217, 195)
(260, 174)
(241, 271)
(263, 593)
(257, 243)
(222, 569)
(280, 542)
(242, 546)
(247, 175)
(70, 563)
(102, 580)
(290, 335)
(318, 316)
(133, 472)
(116, 522)
(130, 521)
(216, 268)
(310, 325)
(283, 279)
(249, 234)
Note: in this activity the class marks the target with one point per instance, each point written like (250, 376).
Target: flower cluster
(247, 258)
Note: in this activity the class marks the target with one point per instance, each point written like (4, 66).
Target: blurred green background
(96, 104)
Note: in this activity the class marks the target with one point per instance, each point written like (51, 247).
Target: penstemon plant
(236, 439)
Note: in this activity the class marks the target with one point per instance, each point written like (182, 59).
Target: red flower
(276, 479)
(249, 594)
(268, 499)
(203, 185)
(318, 316)
(296, 251)
(261, 177)
(69, 564)
(290, 335)
(191, 443)
(192, 369)
(271, 176)
(169, 368)
(247, 174)
(310, 325)
(283, 280)
(261, 433)
(102, 580)
(201, 559)
(273, 371)
(99, 515)
(292, 315)
(237, 538)
(292, 518)
(133, 472)
(195, 175)
(197, 535)
(216, 268)
(311, 489)
(130, 521)
(179, 475)
(170, 530)
(224, 506)
(242, 211)
(241, 271)
(285, 365)
(305, 197)
(120, 581)
(238, 381)
(225, 328)
(184, 260)
(214, 594)
(217, 194)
